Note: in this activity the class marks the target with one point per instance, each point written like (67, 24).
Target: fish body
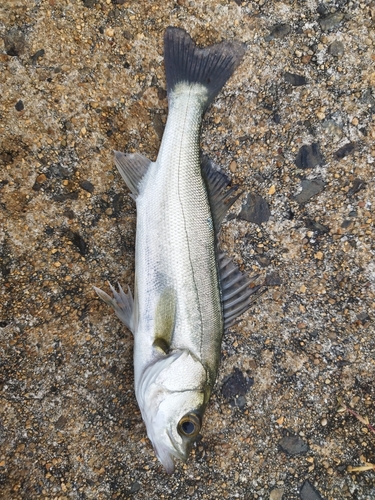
(186, 291)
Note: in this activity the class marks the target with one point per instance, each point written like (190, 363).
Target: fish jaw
(172, 387)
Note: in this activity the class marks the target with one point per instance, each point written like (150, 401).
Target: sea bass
(186, 291)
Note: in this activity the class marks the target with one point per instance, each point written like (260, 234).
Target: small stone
(61, 422)
(19, 105)
(330, 21)
(363, 317)
(272, 189)
(345, 150)
(336, 49)
(89, 3)
(294, 79)
(309, 189)
(278, 31)
(41, 178)
(319, 255)
(309, 156)
(272, 279)
(355, 121)
(87, 186)
(308, 492)
(255, 209)
(357, 185)
(110, 32)
(233, 166)
(276, 494)
(293, 445)
(235, 387)
(38, 54)
(14, 42)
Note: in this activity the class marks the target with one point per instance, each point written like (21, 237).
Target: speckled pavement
(293, 411)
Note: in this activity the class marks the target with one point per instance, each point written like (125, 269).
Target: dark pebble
(66, 196)
(363, 317)
(309, 189)
(309, 156)
(19, 105)
(330, 21)
(61, 422)
(162, 93)
(6, 157)
(293, 445)
(313, 225)
(255, 209)
(235, 387)
(158, 125)
(89, 3)
(117, 204)
(278, 31)
(14, 42)
(79, 242)
(87, 186)
(336, 49)
(272, 279)
(38, 54)
(262, 260)
(135, 487)
(345, 150)
(294, 79)
(358, 184)
(346, 223)
(308, 492)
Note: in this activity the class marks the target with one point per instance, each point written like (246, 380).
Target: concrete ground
(293, 408)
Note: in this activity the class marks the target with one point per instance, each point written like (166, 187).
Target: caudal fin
(210, 66)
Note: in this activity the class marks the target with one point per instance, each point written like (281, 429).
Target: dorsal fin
(132, 168)
(220, 198)
(237, 289)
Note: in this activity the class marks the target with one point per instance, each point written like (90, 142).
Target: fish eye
(189, 425)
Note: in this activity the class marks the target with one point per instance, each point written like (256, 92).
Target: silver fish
(186, 291)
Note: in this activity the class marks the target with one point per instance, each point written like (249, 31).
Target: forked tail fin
(210, 66)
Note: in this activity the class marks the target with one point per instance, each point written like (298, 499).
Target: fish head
(172, 396)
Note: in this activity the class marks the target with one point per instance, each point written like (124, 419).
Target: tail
(211, 66)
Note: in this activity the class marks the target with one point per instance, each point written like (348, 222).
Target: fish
(186, 290)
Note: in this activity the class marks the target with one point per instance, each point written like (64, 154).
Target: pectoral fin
(132, 168)
(165, 316)
(122, 304)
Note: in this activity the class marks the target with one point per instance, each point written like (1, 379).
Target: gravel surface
(291, 413)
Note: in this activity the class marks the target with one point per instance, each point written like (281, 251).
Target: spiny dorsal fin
(237, 289)
(220, 199)
(122, 304)
(165, 316)
(132, 168)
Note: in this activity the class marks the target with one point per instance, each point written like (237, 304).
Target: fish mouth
(167, 453)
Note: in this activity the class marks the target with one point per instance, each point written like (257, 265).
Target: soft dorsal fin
(132, 168)
(220, 198)
(237, 289)
(165, 316)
